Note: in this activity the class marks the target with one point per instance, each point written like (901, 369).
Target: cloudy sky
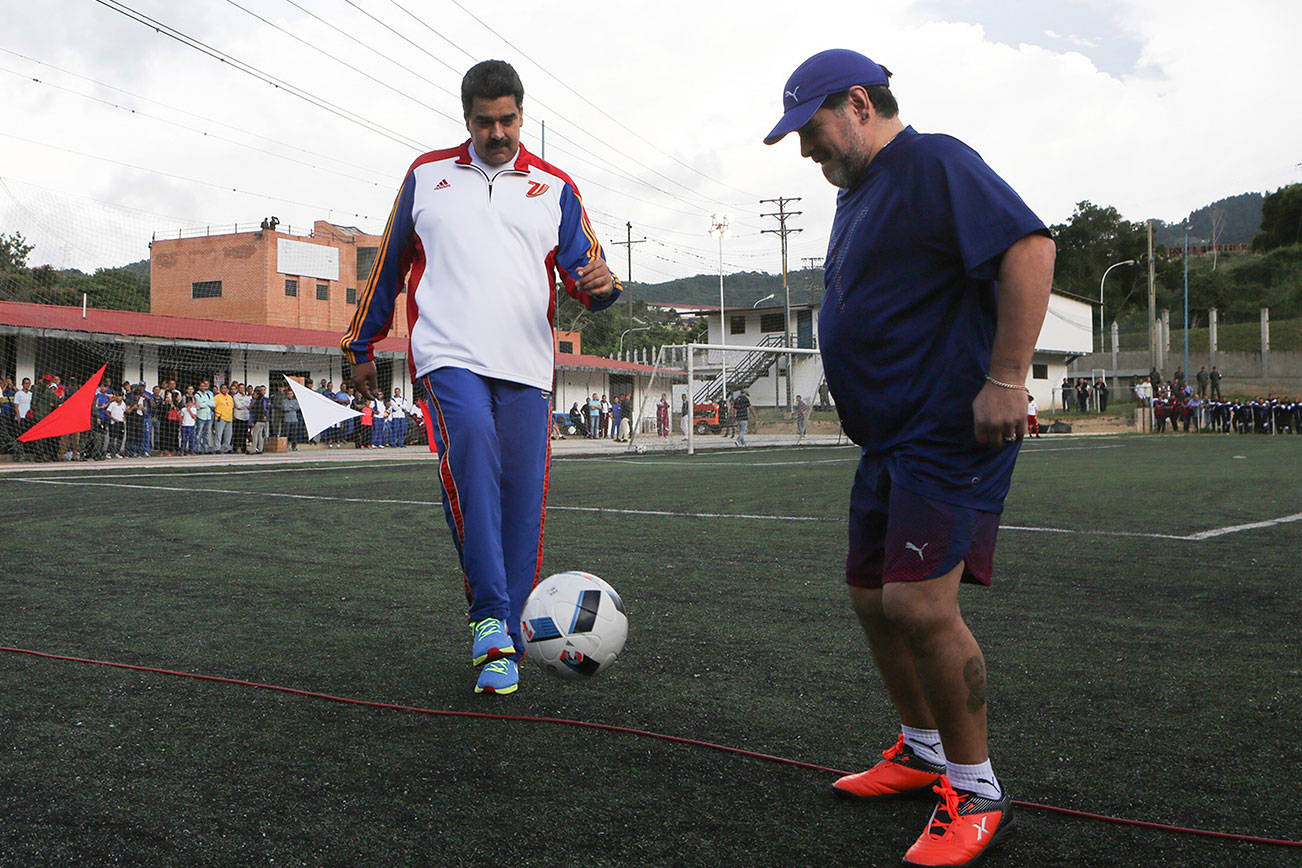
(214, 113)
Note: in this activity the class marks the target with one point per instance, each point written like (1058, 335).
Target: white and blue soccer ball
(574, 624)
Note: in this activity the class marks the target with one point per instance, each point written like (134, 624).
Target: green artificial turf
(1133, 675)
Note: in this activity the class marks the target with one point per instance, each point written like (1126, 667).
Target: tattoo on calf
(974, 675)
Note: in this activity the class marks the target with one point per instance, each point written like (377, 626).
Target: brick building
(267, 277)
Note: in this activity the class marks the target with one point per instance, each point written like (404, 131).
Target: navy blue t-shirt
(908, 318)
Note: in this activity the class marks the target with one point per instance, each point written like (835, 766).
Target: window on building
(323, 292)
(770, 322)
(1039, 372)
(350, 295)
(206, 289)
(291, 287)
(737, 325)
(365, 261)
(565, 346)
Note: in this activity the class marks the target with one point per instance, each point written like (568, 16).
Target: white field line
(635, 460)
(189, 490)
(1194, 537)
(1221, 531)
(1036, 450)
(180, 472)
(1004, 527)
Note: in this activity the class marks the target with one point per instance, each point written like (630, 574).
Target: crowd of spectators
(132, 420)
(1079, 395)
(597, 419)
(1198, 405)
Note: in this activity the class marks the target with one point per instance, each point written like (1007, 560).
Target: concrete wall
(1245, 373)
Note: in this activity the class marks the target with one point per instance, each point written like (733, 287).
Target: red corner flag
(70, 417)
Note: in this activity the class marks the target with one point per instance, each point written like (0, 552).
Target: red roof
(126, 322)
(132, 323)
(573, 360)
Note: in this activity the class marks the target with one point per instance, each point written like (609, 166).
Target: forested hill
(1240, 216)
(741, 289)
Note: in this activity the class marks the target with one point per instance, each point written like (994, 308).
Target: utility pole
(628, 275)
(783, 231)
(1152, 302)
(811, 262)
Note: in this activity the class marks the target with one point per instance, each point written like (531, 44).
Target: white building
(1066, 334)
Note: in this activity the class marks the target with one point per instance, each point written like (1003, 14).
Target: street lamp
(764, 299)
(719, 228)
(1103, 322)
(626, 331)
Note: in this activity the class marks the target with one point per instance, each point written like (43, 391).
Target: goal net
(713, 396)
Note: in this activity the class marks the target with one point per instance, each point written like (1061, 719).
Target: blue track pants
(494, 455)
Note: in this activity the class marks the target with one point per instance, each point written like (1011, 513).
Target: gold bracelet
(994, 382)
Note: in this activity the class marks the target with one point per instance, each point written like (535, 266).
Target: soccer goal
(708, 396)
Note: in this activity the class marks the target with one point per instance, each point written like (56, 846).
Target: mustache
(499, 143)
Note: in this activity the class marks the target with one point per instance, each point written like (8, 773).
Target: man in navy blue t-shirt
(937, 280)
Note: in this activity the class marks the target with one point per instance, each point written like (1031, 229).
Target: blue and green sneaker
(499, 676)
(491, 641)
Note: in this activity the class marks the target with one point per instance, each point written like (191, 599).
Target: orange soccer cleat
(901, 772)
(962, 829)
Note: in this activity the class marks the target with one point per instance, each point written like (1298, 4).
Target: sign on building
(307, 260)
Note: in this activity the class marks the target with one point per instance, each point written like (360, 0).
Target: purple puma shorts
(897, 535)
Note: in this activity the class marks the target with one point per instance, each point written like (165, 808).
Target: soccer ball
(574, 624)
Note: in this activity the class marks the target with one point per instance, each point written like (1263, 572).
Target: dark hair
(490, 79)
(879, 95)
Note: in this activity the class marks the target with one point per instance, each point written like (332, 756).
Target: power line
(247, 69)
(206, 134)
(300, 93)
(605, 165)
(183, 111)
(400, 92)
(594, 105)
(707, 202)
(211, 184)
(376, 51)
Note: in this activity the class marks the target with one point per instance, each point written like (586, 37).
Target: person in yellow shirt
(224, 413)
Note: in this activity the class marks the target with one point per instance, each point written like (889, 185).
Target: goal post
(709, 375)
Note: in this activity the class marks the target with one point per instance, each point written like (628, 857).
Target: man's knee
(921, 608)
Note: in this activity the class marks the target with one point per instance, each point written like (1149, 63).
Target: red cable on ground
(1250, 839)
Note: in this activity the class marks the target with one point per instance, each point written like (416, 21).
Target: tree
(13, 252)
(1092, 239)
(1218, 229)
(1281, 219)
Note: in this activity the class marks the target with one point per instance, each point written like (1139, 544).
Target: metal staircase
(750, 368)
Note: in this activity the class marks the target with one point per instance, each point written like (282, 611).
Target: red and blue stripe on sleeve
(577, 246)
(374, 315)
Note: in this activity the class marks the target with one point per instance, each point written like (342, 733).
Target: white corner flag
(319, 412)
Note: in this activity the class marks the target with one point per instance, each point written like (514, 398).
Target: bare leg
(894, 659)
(932, 665)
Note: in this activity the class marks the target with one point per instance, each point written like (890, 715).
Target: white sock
(979, 779)
(925, 743)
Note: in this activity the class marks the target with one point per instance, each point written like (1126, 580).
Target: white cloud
(1201, 115)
